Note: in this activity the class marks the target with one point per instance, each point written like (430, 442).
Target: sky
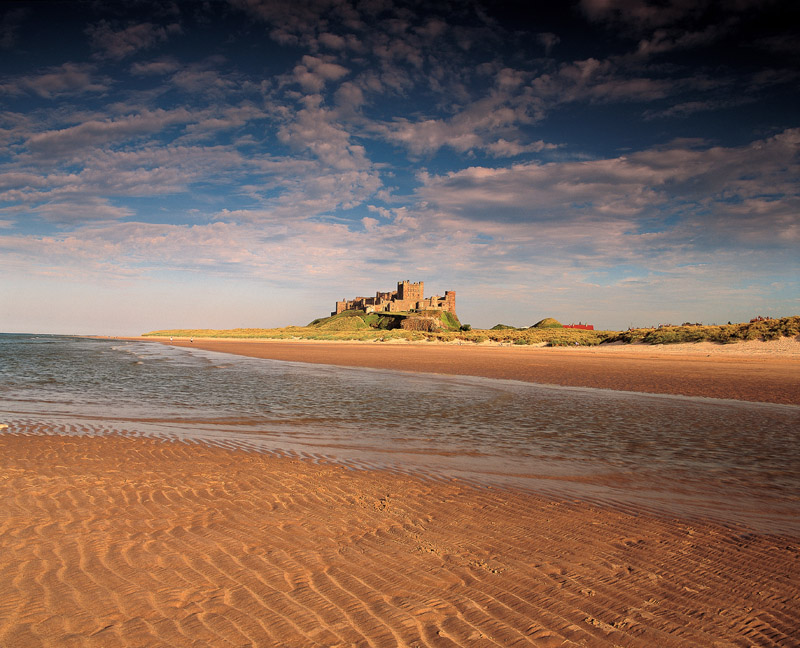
(246, 163)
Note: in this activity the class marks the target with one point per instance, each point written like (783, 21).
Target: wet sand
(753, 371)
(115, 541)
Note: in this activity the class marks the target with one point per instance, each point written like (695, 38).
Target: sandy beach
(754, 371)
(115, 541)
(120, 540)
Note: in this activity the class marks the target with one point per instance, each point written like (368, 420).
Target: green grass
(450, 320)
(349, 317)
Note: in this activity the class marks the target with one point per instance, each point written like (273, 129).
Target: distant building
(583, 327)
(408, 297)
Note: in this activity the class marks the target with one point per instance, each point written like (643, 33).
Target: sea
(729, 461)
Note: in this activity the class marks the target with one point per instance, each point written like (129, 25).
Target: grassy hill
(548, 322)
(429, 321)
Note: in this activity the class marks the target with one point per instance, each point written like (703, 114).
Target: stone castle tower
(407, 291)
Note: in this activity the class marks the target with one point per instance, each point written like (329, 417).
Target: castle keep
(408, 297)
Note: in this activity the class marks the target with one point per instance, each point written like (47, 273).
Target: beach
(754, 371)
(118, 541)
(110, 538)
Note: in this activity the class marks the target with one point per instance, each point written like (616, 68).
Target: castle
(408, 297)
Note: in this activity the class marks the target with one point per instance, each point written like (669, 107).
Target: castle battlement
(408, 297)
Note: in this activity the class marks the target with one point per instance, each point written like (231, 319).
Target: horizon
(245, 163)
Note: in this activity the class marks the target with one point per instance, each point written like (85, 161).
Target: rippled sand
(115, 541)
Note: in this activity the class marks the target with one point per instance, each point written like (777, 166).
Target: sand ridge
(754, 371)
(117, 541)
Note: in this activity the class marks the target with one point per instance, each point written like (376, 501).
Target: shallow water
(734, 461)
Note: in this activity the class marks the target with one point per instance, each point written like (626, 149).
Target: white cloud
(70, 141)
(490, 123)
(63, 80)
(349, 98)
(314, 73)
(504, 148)
(98, 132)
(332, 41)
(204, 78)
(159, 67)
(209, 124)
(83, 210)
(119, 44)
(315, 130)
(601, 81)
(148, 171)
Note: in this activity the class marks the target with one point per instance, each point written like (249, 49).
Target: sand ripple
(115, 541)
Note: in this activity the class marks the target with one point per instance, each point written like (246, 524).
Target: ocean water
(732, 461)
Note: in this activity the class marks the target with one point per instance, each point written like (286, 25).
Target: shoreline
(129, 541)
(751, 371)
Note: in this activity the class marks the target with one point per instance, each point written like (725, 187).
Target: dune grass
(554, 337)
(767, 329)
(356, 319)
(368, 328)
(548, 322)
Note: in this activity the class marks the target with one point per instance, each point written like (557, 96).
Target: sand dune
(116, 541)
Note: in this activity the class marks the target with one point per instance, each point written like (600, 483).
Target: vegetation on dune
(761, 329)
(383, 327)
(430, 321)
(550, 336)
(548, 322)
(328, 330)
(347, 321)
(450, 320)
(286, 333)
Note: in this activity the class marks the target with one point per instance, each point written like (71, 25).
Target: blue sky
(248, 162)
